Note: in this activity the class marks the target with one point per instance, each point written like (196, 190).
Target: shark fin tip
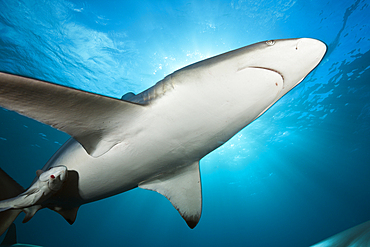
(192, 223)
(183, 189)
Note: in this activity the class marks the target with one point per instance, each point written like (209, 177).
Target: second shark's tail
(8, 189)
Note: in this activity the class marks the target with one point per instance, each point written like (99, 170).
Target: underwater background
(295, 176)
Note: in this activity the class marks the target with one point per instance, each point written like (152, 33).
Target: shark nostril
(297, 44)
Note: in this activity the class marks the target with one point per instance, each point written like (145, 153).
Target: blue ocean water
(296, 175)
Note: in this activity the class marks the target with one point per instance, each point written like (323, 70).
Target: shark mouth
(257, 67)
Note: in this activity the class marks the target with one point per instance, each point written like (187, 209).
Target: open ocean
(295, 176)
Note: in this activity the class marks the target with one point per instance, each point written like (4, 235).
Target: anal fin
(182, 187)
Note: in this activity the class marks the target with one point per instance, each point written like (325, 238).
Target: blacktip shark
(357, 236)
(10, 239)
(153, 140)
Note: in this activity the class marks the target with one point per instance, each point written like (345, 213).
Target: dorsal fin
(127, 96)
(96, 121)
(183, 188)
(39, 172)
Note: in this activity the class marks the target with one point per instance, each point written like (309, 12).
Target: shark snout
(312, 47)
(294, 59)
(57, 177)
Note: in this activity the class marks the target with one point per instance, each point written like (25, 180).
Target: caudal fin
(10, 237)
(8, 189)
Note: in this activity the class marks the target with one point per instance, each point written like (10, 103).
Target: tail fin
(8, 189)
(10, 237)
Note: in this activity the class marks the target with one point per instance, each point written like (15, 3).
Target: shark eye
(270, 42)
(52, 176)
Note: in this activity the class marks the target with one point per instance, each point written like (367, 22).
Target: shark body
(357, 236)
(154, 140)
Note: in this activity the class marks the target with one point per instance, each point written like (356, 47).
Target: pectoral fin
(30, 212)
(183, 188)
(68, 214)
(93, 120)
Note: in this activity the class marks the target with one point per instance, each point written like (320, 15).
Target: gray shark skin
(10, 239)
(154, 140)
(357, 236)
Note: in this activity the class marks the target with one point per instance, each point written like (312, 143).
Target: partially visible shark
(153, 140)
(10, 239)
(357, 236)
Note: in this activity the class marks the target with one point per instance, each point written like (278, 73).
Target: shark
(153, 140)
(357, 236)
(10, 239)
